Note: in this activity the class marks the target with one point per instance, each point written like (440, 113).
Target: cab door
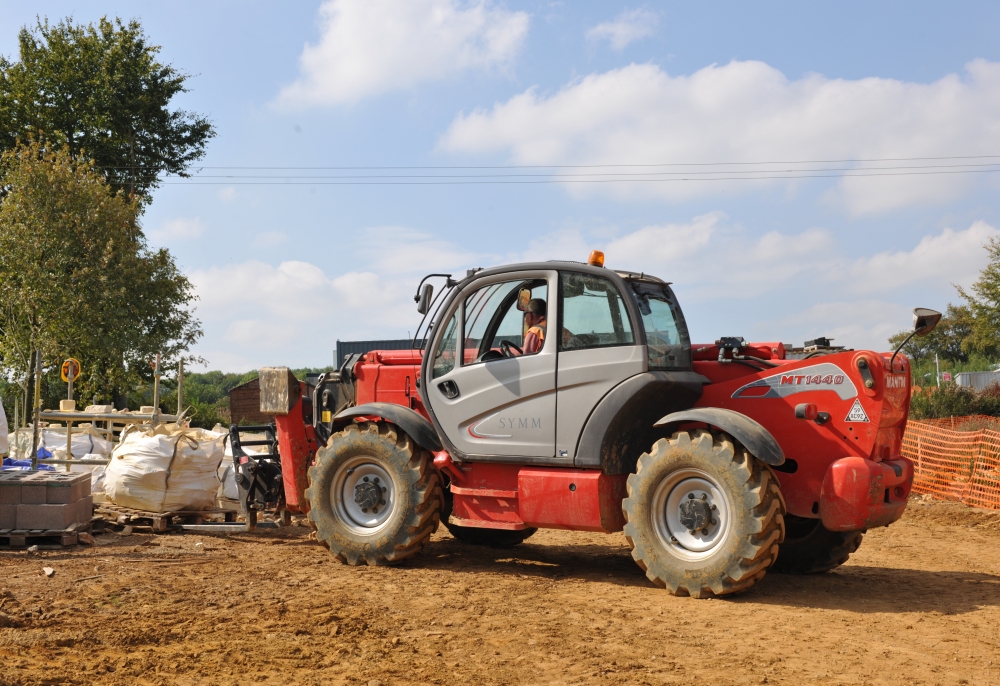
(598, 349)
(493, 403)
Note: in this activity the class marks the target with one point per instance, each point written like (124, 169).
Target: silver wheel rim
(673, 490)
(366, 472)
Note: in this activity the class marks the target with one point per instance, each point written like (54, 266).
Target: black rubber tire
(494, 538)
(756, 521)
(811, 548)
(417, 508)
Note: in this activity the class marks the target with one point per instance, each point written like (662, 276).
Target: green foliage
(984, 306)
(101, 91)
(955, 401)
(79, 280)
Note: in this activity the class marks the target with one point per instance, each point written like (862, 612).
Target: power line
(601, 174)
(561, 180)
(592, 166)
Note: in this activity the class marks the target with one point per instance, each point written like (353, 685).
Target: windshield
(666, 333)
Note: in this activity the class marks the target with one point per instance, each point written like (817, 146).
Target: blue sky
(282, 271)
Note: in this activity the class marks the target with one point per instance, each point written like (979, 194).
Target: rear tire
(811, 548)
(374, 495)
(704, 517)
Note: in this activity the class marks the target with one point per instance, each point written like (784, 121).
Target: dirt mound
(927, 510)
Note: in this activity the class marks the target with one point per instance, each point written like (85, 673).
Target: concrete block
(84, 509)
(11, 481)
(33, 491)
(8, 516)
(51, 517)
(66, 487)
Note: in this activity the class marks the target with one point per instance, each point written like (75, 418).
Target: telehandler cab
(719, 461)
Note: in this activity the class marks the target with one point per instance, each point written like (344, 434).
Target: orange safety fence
(961, 465)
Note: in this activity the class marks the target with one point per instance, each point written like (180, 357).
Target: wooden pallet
(159, 521)
(19, 539)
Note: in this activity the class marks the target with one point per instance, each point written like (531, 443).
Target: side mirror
(924, 320)
(424, 299)
(523, 297)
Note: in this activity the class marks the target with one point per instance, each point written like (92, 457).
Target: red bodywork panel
(770, 397)
(510, 496)
(296, 446)
(848, 473)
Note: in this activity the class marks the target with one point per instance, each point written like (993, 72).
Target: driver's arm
(532, 343)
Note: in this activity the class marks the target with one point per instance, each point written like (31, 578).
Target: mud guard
(414, 424)
(751, 434)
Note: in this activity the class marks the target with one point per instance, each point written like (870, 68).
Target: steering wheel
(505, 347)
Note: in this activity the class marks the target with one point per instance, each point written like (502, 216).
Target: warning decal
(857, 413)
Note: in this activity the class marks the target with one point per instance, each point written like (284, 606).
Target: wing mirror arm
(924, 321)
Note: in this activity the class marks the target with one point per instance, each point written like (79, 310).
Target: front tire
(704, 517)
(811, 548)
(374, 495)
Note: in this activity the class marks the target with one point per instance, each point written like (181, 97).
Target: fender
(751, 434)
(620, 427)
(413, 423)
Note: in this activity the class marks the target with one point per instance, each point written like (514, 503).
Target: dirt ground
(918, 604)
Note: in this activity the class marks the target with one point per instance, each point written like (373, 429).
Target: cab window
(593, 313)
(666, 334)
(444, 356)
(492, 317)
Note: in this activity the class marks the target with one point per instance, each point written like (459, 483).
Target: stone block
(66, 487)
(34, 489)
(84, 509)
(8, 516)
(49, 517)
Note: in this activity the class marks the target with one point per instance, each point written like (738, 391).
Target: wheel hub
(690, 514)
(695, 513)
(367, 494)
(363, 494)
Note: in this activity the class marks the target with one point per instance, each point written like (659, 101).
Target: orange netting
(961, 464)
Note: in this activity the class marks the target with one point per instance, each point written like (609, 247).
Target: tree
(984, 306)
(101, 91)
(78, 278)
(945, 341)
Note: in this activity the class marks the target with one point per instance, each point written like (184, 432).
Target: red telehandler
(719, 461)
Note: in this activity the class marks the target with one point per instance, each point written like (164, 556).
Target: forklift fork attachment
(258, 477)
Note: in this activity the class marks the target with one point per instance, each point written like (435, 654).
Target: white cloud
(949, 257)
(629, 26)
(227, 194)
(747, 112)
(177, 230)
(788, 287)
(294, 312)
(368, 47)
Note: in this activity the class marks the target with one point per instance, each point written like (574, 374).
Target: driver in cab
(534, 318)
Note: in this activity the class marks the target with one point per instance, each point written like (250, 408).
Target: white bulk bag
(166, 469)
(87, 441)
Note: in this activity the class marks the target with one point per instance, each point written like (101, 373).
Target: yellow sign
(66, 367)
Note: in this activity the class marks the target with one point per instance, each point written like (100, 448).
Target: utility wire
(599, 166)
(560, 180)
